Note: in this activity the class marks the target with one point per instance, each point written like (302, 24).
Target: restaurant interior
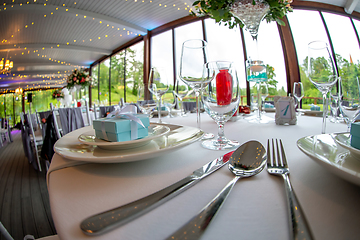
(70, 68)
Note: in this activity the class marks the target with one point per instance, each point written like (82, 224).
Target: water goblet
(158, 85)
(350, 99)
(298, 93)
(181, 91)
(321, 72)
(146, 106)
(221, 98)
(334, 102)
(264, 93)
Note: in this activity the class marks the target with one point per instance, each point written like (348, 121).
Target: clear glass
(350, 99)
(264, 93)
(298, 93)
(159, 85)
(321, 71)
(146, 106)
(221, 96)
(334, 101)
(181, 91)
(193, 57)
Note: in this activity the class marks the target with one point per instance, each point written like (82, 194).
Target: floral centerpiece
(57, 93)
(221, 11)
(78, 78)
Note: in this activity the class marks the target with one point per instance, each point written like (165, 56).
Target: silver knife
(106, 221)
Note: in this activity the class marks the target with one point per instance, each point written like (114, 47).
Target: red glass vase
(223, 87)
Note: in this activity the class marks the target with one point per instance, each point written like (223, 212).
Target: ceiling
(47, 39)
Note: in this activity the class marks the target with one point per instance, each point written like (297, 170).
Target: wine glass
(146, 106)
(298, 93)
(158, 85)
(350, 99)
(221, 99)
(181, 92)
(264, 93)
(334, 101)
(193, 57)
(321, 71)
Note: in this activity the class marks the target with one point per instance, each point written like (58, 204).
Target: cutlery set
(246, 161)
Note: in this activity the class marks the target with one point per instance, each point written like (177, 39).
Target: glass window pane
(343, 37)
(269, 50)
(104, 82)
(304, 31)
(117, 77)
(94, 88)
(134, 70)
(162, 51)
(232, 51)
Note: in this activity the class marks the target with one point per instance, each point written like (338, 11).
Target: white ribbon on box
(127, 112)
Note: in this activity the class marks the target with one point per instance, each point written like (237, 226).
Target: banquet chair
(26, 142)
(37, 141)
(96, 110)
(56, 120)
(5, 132)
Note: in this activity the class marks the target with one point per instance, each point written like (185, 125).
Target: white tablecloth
(255, 209)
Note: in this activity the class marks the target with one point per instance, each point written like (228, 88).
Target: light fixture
(5, 67)
(19, 90)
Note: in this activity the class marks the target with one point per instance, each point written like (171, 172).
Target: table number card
(285, 110)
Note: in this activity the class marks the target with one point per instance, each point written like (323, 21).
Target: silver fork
(277, 165)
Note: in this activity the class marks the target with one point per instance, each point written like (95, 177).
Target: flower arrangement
(220, 11)
(57, 94)
(78, 78)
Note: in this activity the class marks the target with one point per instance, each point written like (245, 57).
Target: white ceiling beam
(73, 11)
(22, 46)
(350, 6)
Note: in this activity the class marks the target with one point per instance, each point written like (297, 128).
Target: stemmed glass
(180, 93)
(193, 57)
(264, 93)
(334, 101)
(350, 99)
(146, 106)
(321, 72)
(298, 93)
(158, 85)
(221, 100)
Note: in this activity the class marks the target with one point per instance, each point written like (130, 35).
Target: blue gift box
(315, 108)
(120, 129)
(355, 135)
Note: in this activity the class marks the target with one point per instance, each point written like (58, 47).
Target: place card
(285, 110)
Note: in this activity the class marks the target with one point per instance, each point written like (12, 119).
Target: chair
(56, 120)
(26, 141)
(37, 141)
(5, 132)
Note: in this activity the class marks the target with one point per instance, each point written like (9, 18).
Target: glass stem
(325, 107)
(159, 109)
(259, 101)
(221, 134)
(197, 94)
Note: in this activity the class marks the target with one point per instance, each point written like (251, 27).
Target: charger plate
(178, 137)
(324, 150)
(343, 139)
(155, 131)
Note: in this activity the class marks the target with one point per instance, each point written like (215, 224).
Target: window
(117, 77)
(104, 82)
(134, 70)
(94, 88)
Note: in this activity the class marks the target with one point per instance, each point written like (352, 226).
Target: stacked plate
(83, 145)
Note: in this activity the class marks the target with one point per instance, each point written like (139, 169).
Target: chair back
(56, 120)
(35, 142)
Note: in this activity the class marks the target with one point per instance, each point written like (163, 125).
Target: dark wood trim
(290, 56)
(147, 62)
(174, 58)
(90, 95)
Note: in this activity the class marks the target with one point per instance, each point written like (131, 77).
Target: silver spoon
(248, 160)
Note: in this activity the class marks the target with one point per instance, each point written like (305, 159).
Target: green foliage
(220, 11)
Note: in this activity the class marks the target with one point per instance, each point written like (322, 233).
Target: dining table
(255, 209)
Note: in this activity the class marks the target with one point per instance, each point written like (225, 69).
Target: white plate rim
(346, 145)
(136, 141)
(346, 173)
(117, 157)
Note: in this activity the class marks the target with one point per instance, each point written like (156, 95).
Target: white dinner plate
(336, 159)
(343, 139)
(155, 131)
(179, 136)
(313, 113)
